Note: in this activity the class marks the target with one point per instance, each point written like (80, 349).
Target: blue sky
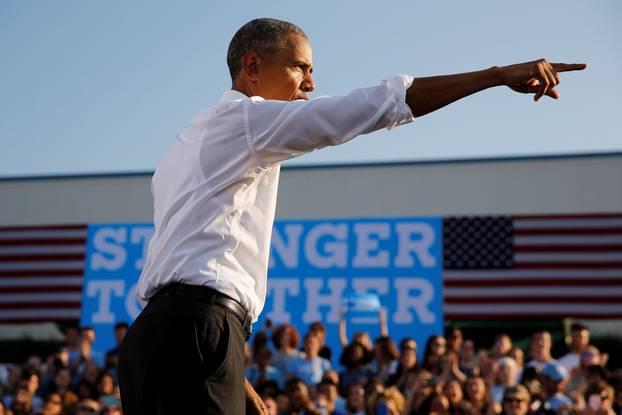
(104, 86)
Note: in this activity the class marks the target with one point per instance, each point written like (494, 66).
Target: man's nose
(307, 84)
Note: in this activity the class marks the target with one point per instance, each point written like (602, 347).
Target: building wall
(515, 186)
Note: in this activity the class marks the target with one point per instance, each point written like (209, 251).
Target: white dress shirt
(215, 190)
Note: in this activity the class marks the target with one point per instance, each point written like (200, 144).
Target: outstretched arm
(538, 77)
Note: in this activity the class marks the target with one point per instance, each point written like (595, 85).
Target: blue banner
(318, 271)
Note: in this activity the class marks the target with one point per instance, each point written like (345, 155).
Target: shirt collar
(232, 95)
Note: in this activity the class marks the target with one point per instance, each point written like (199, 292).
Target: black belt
(209, 296)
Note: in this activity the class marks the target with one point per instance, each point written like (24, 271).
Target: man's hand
(254, 403)
(537, 77)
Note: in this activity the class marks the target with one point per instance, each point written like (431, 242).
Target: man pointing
(204, 281)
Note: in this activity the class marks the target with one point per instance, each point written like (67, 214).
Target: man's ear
(250, 62)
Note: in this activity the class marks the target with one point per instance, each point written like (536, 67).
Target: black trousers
(183, 356)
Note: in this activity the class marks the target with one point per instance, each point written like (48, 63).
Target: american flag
(41, 269)
(532, 267)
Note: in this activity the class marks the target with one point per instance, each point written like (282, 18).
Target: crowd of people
(75, 379)
(295, 375)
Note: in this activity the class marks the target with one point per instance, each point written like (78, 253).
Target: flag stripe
(565, 240)
(41, 266)
(565, 224)
(596, 257)
(573, 216)
(583, 248)
(42, 289)
(535, 283)
(41, 314)
(563, 232)
(39, 298)
(47, 304)
(528, 299)
(43, 249)
(42, 235)
(530, 291)
(532, 274)
(36, 282)
(41, 257)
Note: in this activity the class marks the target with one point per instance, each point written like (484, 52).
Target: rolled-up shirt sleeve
(280, 130)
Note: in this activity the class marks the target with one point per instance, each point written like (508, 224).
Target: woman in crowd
(435, 348)
(285, 339)
(453, 391)
(477, 400)
(355, 359)
(406, 365)
(385, 355)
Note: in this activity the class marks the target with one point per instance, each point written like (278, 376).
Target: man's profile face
(286, 75)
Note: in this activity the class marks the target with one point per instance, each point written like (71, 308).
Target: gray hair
(262, 36)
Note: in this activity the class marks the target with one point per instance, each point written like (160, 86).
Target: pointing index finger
(565, 67)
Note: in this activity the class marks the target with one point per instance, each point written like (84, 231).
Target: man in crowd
(205, 278)
(579, 340)
(540, 350)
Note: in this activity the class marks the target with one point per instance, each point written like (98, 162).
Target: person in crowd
(590, 356)
(439, 404)
(540, 350)
(3, 409)
(62, 386)
(506, 376)
(356, 397)
(454, 339)
(108, 390)
(88, 407)
(355, 360)
(477, 399)
(318, 328)
(579, 340)
(270, 404)
(468, 358)
(53, 405)
(299, 402)
(420, 394)
(450, 368)
(88, 357)
(515, 401)
(329, 398)
(435, 348)
(453, 391)
(554, 377)
(501, 346)
(385, 356)
(518, 355)
(285, 339)
(599, 399)
(72, 343)
(310, 367)
(261, 370)
(112, 355)
(31, 380)
(531, 378)
(406, 365)
(21, 402)
(386, 401)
